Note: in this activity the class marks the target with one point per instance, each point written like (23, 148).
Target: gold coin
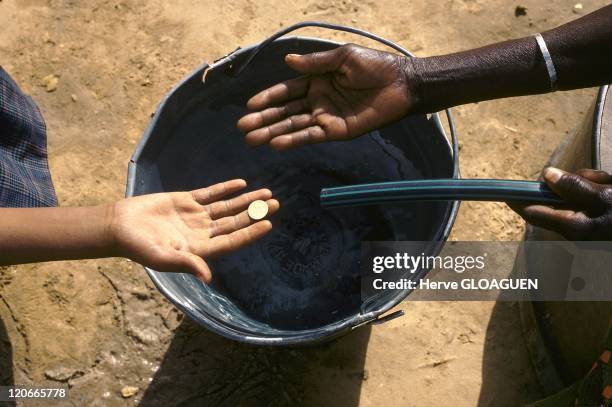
(258, 210)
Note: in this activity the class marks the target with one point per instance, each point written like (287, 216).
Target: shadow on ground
(202, 368)
(503, 377)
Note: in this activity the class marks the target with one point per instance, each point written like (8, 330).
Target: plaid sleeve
(25, 180)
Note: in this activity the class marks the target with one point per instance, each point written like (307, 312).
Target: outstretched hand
(177, 231)
(345, 93)
(588, 194)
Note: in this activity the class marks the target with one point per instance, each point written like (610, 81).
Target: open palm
(176, 231)
(346, 92)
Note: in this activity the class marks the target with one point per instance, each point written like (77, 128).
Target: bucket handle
(237, 70)
(278, 34)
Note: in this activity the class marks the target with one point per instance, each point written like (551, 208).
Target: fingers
(195, 265)
(318, 62)
(279, 94)
(597, 176)
(575, 189)
(291, 124)
(272, 115)
(586, 190)
(328, 127)
(309, 135)
(297, 130)
(223, 244)
(231, 224)
(215, 192)
(570, 224)
(233, 206)
(174, 261)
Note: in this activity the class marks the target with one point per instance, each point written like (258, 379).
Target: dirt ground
(101, 325)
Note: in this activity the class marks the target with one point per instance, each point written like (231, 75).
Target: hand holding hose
(588, 215)
(345, 92)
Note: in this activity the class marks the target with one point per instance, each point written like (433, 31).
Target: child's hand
(176, 231)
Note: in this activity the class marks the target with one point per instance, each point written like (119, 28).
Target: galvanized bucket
(301, 283)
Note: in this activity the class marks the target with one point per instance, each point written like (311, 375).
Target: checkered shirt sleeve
(25, 180)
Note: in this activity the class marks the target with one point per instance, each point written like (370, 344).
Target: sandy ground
(101, 325)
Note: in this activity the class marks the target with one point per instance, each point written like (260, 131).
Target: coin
(258, 210)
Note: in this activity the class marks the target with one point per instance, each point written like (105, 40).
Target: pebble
(520, 11)
(74, 97)
(578, 9)
(61, 374)
(50, 82)
(129, 391)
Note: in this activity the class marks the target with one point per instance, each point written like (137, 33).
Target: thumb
(317, 62)
(195, 265)
(574, 188)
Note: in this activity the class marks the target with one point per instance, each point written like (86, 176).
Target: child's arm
(168, 232)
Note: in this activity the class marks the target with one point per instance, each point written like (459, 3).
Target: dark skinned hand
(345, 93)
(588, 215)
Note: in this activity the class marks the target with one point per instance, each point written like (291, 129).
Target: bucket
(565, 338)
(301, 283)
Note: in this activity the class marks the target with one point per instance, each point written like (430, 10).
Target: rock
(74, 97)
(520, 11)
(85, 379)
(47, 39)
(578, 9)
(146, 336)
(50, 82)
(62, 374)
(141, 294)
(129, 391)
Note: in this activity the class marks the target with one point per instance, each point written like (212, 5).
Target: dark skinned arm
(351, 90)
(581, 52)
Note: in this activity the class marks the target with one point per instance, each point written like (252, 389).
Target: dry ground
(101, 325)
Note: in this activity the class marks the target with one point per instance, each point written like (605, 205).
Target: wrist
(109, 230)
(510, 68)
(413, 80)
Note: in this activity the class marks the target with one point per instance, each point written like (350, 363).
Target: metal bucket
(565, 338)
(301, 283)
